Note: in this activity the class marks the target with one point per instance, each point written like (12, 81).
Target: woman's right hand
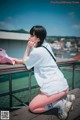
(31, 44)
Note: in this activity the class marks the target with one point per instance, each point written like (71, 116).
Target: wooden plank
(22, 114)
(5, 67)
(76, 111)
(9, 69)
(50, 115)
(25, 114)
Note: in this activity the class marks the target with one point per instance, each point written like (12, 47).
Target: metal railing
(17, 68)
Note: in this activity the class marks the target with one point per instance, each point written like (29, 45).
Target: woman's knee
(31, 107)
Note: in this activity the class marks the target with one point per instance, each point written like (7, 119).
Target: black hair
(40, 32)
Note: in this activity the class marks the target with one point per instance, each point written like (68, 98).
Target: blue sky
(58, 19)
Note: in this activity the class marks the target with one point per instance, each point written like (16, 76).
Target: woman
(53, 86)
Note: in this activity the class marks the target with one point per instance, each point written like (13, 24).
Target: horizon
(26, 32)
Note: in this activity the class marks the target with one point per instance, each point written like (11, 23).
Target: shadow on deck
(25, 114)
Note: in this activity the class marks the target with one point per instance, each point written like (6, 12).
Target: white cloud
(9, 19)
(2, 24)
(76, 26)
(71, 14)
(6, 25)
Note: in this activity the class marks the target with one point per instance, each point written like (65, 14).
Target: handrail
(9, 69)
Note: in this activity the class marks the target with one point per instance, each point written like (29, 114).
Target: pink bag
(4, 58)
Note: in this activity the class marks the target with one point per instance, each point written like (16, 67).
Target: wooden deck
(25, 114)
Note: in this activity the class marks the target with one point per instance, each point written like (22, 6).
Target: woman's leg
(37, 105)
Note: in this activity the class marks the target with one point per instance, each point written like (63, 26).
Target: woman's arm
(27, 52)
(18, 61)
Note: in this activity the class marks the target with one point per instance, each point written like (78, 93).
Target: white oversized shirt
(48, 76)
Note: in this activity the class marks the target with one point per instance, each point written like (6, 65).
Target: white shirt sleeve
(33, 59)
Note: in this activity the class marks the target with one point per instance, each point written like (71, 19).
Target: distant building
(77, 57)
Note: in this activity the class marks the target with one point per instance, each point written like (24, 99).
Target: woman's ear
(38, 39)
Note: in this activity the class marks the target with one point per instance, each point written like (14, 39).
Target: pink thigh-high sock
(37, 105)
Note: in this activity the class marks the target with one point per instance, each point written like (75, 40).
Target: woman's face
(34, 39)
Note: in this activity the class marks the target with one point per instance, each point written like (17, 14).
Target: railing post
(30, 74)
(10, 91)
(73, 72)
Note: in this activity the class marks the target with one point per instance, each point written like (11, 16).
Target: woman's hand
(18, 61)
(31, 44)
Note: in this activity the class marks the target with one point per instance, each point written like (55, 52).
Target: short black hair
(40, 32)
